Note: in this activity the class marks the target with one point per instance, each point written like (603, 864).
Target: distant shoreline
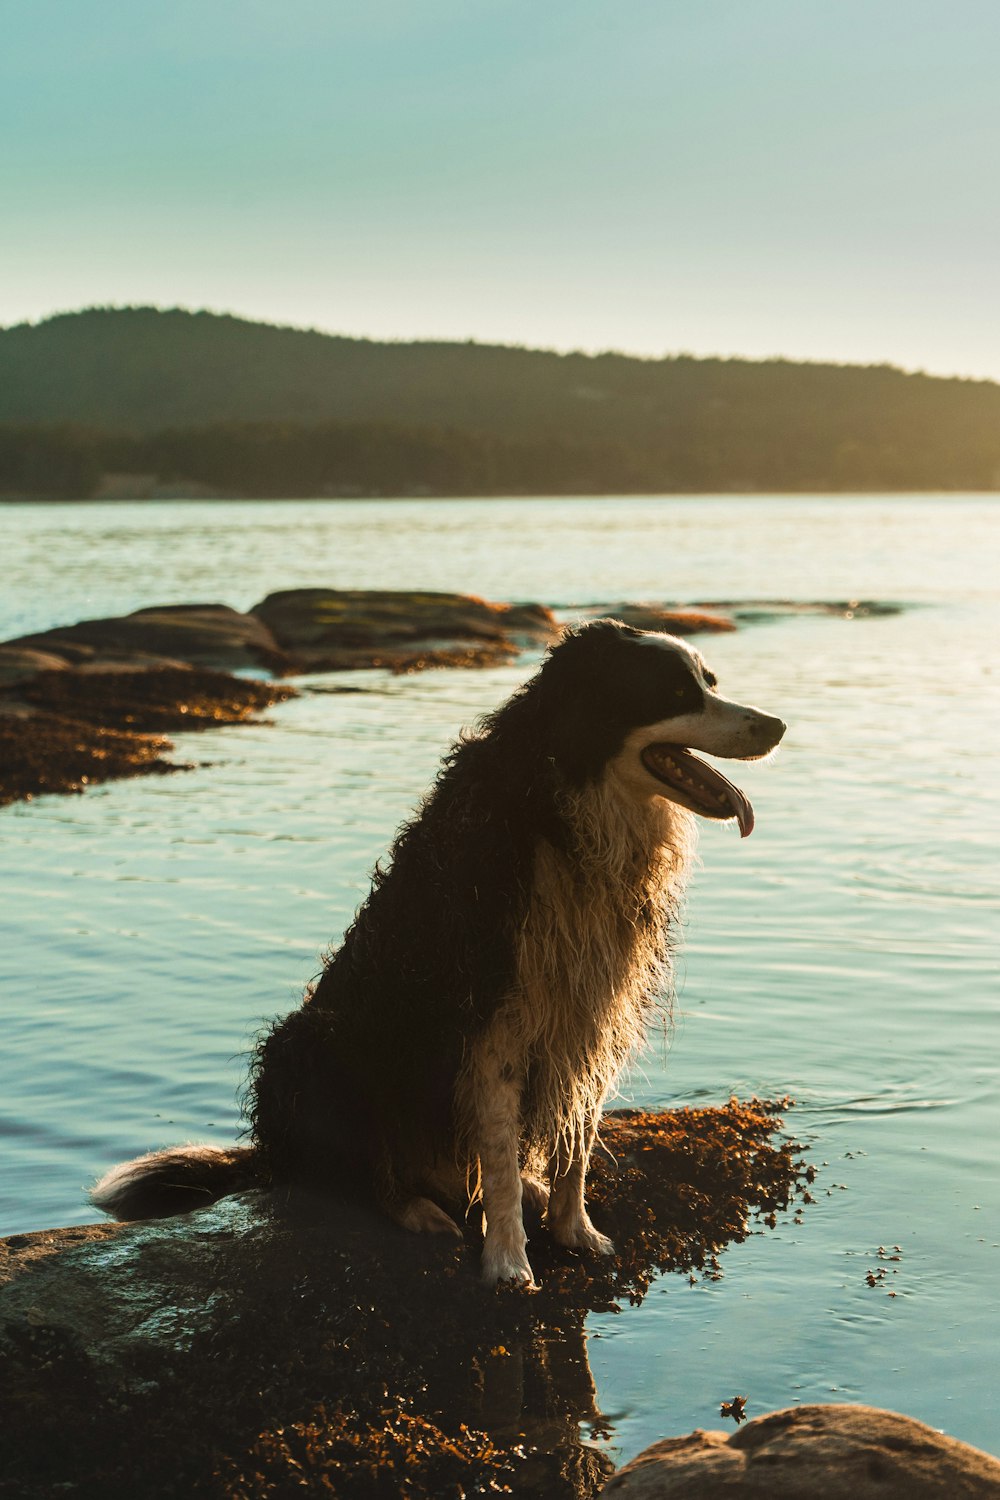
(133, 403)
(576, 496)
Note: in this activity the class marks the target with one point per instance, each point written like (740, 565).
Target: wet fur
(498, 977)
(592, 960)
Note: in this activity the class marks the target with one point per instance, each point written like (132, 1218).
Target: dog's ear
(573, 697)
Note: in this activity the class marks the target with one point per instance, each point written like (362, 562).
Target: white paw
(580, 1234)
(505, 1264)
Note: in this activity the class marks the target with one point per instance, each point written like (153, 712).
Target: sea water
(846, 954)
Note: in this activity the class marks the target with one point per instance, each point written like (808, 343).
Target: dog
(460, 1043)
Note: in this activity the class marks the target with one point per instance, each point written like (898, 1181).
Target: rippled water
(845, 954)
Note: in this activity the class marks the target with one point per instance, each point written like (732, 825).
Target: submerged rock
(159, 699)
(748, 611)
(279, 1343)
(834, 1452)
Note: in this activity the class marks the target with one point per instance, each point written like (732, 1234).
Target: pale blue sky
(816, 178)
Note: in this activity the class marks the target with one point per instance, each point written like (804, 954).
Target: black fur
(359, 1082)
(357, 1085)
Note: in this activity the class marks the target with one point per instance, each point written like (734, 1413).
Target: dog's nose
(767, 730)
(774, 729)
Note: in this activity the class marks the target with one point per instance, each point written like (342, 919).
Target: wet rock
(156, 700)
(62, 731)
(41, 753)
(287, 1343)
(202, 635)
(661, 617)
(751, 611)
(824, 1452)
(328, 630)
(17, 663)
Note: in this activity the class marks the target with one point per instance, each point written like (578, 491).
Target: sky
(810, 178)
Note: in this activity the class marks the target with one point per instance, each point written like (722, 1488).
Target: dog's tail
(172, 1182)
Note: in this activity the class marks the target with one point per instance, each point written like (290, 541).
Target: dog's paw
(503, 1266)
(580, 1234)
(423, 1216)
(534, 1194)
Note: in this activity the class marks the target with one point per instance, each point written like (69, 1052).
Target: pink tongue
(741, 807)
(740, 804)
(714, 781)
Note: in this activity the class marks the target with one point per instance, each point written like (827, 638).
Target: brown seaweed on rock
(301, 1345)
(160, 699)
(41, 753)
(64, 730)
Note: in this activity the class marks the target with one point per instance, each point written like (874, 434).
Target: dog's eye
(710, 678)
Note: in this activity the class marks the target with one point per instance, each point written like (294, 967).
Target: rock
(20, 662)
(290, 1343)
(42, 752)
(751, 611)
(201, 635)
(337, 629)
(154, 700)
(672, 621)
(832, 1452)
(298, 630)
(61, 731)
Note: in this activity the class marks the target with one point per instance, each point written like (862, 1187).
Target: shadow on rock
(292, 1342)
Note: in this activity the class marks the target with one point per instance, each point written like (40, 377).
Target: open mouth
(706, 790)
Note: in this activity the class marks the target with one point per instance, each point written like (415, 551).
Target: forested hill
(514, 418)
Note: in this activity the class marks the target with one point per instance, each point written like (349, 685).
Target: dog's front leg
(498, 1129)
(568, 1220)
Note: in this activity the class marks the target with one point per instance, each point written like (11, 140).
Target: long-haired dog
(503, 969)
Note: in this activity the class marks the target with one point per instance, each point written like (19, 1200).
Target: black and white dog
(502, 971)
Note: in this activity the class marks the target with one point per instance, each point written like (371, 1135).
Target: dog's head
(633, 704)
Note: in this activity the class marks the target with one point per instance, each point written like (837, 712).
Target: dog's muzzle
(738, 733)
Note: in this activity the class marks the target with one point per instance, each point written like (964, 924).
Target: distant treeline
(189, 399)
(283, 459)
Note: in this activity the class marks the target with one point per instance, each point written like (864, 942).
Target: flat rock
(337, 629)
(671, 620)
(201, 635)
(754, 610)
(834, 1452)
(17, 663)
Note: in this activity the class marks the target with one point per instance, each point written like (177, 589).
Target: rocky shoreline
(96, 701)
